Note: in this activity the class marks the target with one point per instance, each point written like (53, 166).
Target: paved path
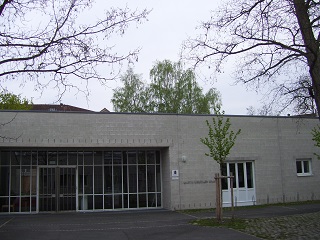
(302, 226)
(148, 225)
(275, 222)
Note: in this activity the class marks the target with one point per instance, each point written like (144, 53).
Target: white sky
(169, 24)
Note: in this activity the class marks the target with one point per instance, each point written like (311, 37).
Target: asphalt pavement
(125, 225)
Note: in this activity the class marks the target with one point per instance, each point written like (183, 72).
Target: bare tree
(297, 96)
(275, 40)
(45, 41)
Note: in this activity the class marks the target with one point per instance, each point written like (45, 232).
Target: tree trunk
(312, 48)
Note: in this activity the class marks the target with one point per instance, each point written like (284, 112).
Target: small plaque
(175, 174)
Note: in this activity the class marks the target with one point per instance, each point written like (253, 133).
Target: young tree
(14, 102)
(275, 40)
(52, 39)
(316, 138)
(220, 138)
(172, 90)
(219, 141)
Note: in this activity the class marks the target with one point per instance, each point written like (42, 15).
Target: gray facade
(273, 158)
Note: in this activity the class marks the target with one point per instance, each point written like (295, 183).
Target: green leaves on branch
(172, 90)
(316, 138)
(11, 101)
(132, 97)
(220, 138)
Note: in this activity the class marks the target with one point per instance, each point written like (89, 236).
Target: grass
(266, 228)
(239, 224)
(190, 211)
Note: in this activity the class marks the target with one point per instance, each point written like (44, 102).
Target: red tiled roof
(57, 108)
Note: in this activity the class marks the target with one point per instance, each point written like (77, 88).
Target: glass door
(243, 183)
(57, 189)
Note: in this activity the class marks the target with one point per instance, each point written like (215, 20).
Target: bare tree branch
(274, 41)
(7, 123)
(60, 46)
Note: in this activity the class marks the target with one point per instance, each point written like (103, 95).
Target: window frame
(303, 167)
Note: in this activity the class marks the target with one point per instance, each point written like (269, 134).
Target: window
(242, 172)
(303, 167)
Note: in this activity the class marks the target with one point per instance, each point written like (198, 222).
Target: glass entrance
(57, 188)
(243, 183)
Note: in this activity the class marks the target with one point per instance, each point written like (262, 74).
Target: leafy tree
(220, 141)
(133, 96)
(14, 102)
(50, 39)
(220, 138)
(275, 40)
(172, 90)
(316, 138)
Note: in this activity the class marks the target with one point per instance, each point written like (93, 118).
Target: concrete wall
(273, 143)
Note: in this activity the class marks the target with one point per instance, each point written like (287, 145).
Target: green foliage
(172, 90)
(237, 223)
(11, 101)
(220, 138)
(133, 96)
(316, 138)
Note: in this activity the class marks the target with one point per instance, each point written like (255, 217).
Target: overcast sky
(169, 24)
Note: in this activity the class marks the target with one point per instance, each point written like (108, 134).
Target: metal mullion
(20, 171)
(77, 182)
(122, 188)
(47, 189)
(146, 177)
(10, 175)
(49, 174)
(245, 176)
(253, 176)
(160, 155)
(42, 179)
(237, 175)
(57, 188)
(38, 186)
(103, 179)
(147, 187)
(73, 195)
(54, 186)
(112, 181)
(83, 188)
(228, 174)
(68, 188)
(61, 187)
(49, 178)
(128, 180)
(31, 176)
(137, 177)
(93, 193)
(155, 179)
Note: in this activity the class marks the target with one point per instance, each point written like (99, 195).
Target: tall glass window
(106, 180)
